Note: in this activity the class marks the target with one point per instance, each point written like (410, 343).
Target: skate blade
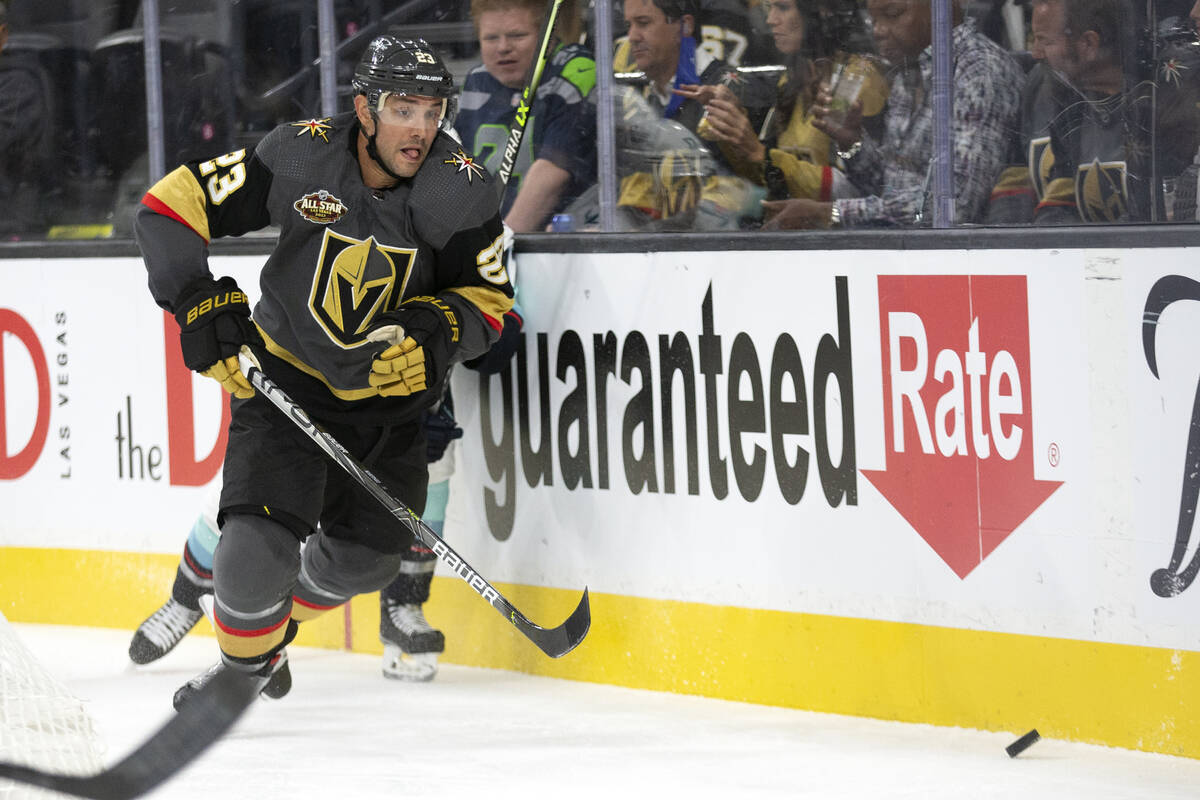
(401, 666)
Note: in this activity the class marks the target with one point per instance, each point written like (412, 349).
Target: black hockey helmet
(392, 64)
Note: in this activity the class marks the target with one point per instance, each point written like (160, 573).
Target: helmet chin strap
(373, 151)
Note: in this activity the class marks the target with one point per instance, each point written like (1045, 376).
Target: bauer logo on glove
(214, 323)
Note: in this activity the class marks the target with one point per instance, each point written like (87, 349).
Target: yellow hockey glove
(229, 375)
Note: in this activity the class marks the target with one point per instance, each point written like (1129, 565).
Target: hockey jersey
(561, 126)
(345, 254)
(1088, 157)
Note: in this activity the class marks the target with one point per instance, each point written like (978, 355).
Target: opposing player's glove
(214, 322)
(440, 431)
(423, 336)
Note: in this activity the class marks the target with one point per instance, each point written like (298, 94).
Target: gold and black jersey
(345, 253)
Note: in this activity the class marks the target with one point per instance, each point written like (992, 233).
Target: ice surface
(345, 733)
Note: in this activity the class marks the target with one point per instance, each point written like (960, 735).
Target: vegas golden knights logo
(356, 280)
(1100, 191)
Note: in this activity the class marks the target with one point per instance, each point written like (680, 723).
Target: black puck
(1021, 745)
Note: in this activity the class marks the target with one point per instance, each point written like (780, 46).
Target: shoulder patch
(467, 164)
(443, 202)
(313, 127)
(581, 73)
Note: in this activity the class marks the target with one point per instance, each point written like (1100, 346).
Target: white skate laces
(164, 629)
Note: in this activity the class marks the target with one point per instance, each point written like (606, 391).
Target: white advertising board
(970, 439)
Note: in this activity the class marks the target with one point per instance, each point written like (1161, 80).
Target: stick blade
(557, 642)
(188, 733)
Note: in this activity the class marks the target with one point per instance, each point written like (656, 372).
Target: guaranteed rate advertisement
(899, 436)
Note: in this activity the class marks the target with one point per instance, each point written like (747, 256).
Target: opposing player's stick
(554, 642)
(515, 134)
(176, 744)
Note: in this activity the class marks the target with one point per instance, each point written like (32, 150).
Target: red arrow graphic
(958, 411)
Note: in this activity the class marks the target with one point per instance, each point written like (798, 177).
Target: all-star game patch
(320, 207)
(467, 164)
(313, 127)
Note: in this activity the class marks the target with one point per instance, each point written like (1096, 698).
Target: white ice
(346, 733)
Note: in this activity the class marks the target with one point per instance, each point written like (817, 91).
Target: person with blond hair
(557, 158)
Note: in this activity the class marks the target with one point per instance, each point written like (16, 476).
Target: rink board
(937, 492)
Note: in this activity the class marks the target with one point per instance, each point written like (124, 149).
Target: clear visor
(400, 108)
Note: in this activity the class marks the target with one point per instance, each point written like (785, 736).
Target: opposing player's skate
(161, 631)
(410, 644)
(275, 675)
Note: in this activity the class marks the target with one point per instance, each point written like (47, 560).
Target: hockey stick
(186, 735)
(554, 642)
(515, 134)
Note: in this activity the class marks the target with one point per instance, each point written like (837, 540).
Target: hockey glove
(423, 336)
(214, 322)
(440, 431)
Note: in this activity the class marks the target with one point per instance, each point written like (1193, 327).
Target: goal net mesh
(41, 723)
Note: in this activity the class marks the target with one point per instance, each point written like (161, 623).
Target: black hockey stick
(515, 134)
(554, 642)
(186, 735)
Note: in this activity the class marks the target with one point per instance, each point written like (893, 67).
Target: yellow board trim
(1140, 698)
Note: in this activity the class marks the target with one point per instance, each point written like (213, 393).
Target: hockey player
(388, 269)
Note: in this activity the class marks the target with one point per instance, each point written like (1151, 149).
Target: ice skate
(275, 674)
(161, 631)
(410, 644)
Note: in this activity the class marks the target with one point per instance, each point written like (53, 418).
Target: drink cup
(847, 84)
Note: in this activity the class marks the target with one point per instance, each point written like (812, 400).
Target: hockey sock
(194, 575)
(411, 586)
(437, 496)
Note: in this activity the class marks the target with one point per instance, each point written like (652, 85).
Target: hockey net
(41, 723)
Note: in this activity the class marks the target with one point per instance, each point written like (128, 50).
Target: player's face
(1195, 17)
(407, 127)
(654, 42)
(902, 28)
(508, 41)
(786, 24)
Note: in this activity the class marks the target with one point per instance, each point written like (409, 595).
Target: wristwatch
(851, 151)
(835, 215)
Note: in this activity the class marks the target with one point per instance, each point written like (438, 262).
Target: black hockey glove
(440, 431)
(423, 336)
(214, 322)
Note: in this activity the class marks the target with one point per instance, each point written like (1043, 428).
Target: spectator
(1101, 162)
(733, 31)
(24, 140)
(662, 42)
(895, 169)
(797, 159)
(557, 160)
(1022, 184)
(668, 176)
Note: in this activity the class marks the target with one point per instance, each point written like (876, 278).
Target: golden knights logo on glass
(356, 280)
(1101, 191)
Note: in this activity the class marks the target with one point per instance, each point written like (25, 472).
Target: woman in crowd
(824, 45)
